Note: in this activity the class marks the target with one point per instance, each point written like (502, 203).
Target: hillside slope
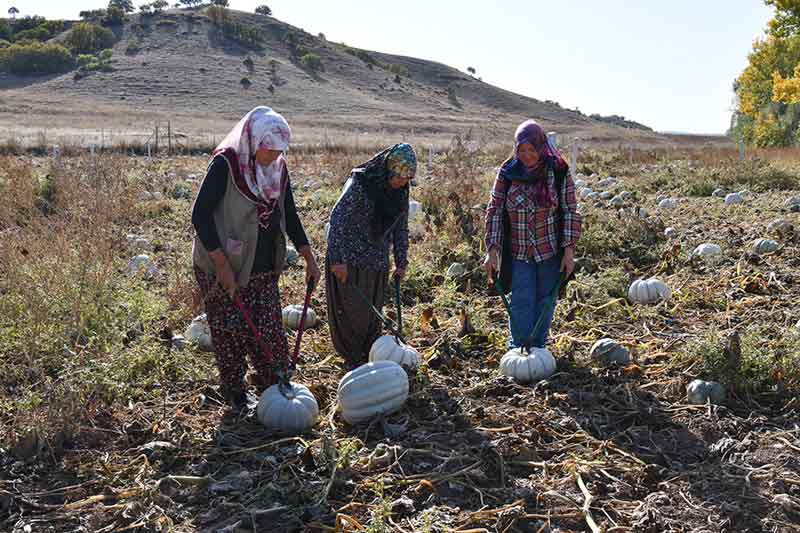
(178, 65)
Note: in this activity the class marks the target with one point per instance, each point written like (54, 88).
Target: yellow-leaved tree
(768, 90)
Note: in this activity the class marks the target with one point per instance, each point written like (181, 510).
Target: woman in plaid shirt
(535, 191)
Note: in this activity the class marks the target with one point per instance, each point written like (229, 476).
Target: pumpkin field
(110, 422)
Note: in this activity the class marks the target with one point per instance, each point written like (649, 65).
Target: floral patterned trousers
(232, 336)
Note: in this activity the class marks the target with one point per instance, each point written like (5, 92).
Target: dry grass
(88, 382)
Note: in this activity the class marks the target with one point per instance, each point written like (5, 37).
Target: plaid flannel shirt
(534, 230)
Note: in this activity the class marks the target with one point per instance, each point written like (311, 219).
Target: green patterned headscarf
(402, 161)
(388, 203)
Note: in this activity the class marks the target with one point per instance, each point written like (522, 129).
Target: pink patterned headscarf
(260, 128)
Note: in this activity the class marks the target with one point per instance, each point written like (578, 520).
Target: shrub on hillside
(4, 44)
(87, 38)
(312, 62)
(114, 16)
(35, 58)
(35, 34)
(398, 70)
(28, 23)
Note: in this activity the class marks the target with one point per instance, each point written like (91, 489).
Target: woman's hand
(312, 270)
(568, 261)
(340, 272)
(225, 276)
(399, 273)
(490, 264)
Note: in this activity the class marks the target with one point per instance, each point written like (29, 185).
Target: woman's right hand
(490, 264)
(340, 272)
(225, 276)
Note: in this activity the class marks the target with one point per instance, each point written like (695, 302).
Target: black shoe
(235, 396)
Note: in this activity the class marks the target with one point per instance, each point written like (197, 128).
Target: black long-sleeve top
(211, 194)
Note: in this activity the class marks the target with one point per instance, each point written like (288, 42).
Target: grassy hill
(180, 65)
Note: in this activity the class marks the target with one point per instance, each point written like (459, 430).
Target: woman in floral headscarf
(371, 215)
(242, 215)
(532, 219)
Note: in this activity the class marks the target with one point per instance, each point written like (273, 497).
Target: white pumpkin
(616, 201)
(648, 291)
(536, 365)
(608, 182)
(794, 201)
(387, 348)
(608, 351)
(708, 252)
(291, 317)
(780, 226)
(670, 233)
(764, 246)
(292, 257)
(668, 203)
(718, 193)
(643, 213)
(733, 198)
(371, 390)
(414, 209)
(291, 414)
(626, 195)
(327, 230)
(606, 195)
(138, 243)
(142, 264)
(593, 196)
(700, 392)
(579, 184)
(456, 270)
(660, 198)
(199, 333)
(585, 192)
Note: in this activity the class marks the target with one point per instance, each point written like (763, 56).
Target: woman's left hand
(568, 261)
(312, 270)
(400, 273)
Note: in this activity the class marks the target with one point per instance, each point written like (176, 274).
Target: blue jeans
(531, 284)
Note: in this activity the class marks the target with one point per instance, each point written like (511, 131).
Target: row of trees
(768, 90)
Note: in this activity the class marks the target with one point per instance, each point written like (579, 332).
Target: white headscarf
(260, 128)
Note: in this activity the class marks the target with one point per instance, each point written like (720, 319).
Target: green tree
(263, 10)
(5, 30)
(768, 90)
(13, 12)
(159, 5)
(115, 16)
(125, 5)
(88, 38)
(220, 3)
(35, 58)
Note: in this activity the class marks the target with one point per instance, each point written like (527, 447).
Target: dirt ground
(131, 435)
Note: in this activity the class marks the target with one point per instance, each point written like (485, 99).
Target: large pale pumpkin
(371, 390)
(199, 333)
(648, 291)
(387, 348)
(291, 317)
(292, 413)
(709, 252)
(608, 351)
(668, 203)
(700, 392)
(536, 365)
(764, 246)
(734, 198)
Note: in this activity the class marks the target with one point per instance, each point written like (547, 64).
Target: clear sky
(667, 64)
